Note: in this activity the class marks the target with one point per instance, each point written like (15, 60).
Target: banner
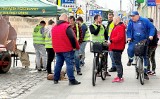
(157, 1)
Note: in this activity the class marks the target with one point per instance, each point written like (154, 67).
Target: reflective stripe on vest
(48, 42)
(100, 36)
(37, 36)
(111, 26)
(87, 34)
(77, 29)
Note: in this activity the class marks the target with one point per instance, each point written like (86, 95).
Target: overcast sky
(113, 4)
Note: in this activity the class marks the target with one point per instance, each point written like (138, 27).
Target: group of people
(116, 32)
(69, 36)
(68, 39)
(42, 43)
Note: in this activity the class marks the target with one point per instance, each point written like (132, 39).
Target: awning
(29, 8)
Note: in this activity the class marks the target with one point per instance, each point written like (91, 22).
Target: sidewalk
(129, 89)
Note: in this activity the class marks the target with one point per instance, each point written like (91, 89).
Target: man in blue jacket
(139, 29)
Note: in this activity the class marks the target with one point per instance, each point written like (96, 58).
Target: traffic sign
(151, 3)
(79, 11)
(95, 12)
(69, 5)
(68, 1)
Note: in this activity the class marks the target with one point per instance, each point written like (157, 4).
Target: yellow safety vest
(111, 26)
(48, 42)
(37, 36)
(100, 36)
(87, 34)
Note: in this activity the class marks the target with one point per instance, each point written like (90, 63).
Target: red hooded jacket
(118, 38)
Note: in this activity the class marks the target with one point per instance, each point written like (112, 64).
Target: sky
(113, 4)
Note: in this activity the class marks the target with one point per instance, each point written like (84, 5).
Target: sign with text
(151, 2)
(68, 1)
(95, 12)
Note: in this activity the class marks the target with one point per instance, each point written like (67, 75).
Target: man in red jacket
(64, 43)
(117, 45)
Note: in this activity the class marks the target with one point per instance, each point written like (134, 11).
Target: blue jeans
(77, 60)
(82, 50)
(60, 58)
(117, 59)
(112, 59)
(130, 51)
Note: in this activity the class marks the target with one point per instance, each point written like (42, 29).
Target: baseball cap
(133, 13)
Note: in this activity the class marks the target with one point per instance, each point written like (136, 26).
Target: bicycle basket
(140, 48)
(96, 47)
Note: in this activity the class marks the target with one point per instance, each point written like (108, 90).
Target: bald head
(64, 17)
(116, 20)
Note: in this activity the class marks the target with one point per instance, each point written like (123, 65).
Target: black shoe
(146, 76)
(55, 81)
(74, 82)
(79, 73)
(112, 70)
(129, 62)
(39, 70)
(107, 74)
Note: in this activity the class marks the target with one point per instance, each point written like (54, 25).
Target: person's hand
(108, 42)
(150, 37)
(128, 39)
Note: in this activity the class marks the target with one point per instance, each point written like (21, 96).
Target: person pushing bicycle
(98, 32)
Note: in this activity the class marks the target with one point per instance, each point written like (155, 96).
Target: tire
(137, 73)
(6, 57)
(141, 70)
(136, 70)
(103, 68)
(94, 71)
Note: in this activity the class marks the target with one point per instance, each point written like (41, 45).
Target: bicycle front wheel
(94, 71)
(141, 70)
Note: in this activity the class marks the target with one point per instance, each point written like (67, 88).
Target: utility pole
(86, 11)
(120, 5)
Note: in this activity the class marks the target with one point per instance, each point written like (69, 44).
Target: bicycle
(140, 48)
(100, 61)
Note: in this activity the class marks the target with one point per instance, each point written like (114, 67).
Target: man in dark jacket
(64, 43)
(151, 52)
(78, 32)
(116, 45)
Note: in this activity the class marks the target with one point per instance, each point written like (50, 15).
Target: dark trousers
(117, 59)
(151, 54)
(50, 57)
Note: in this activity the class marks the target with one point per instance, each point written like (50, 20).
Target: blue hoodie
(147, 29)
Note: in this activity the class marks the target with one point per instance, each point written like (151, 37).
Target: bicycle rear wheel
(141, 70)
(94, 71)
(103, 67)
